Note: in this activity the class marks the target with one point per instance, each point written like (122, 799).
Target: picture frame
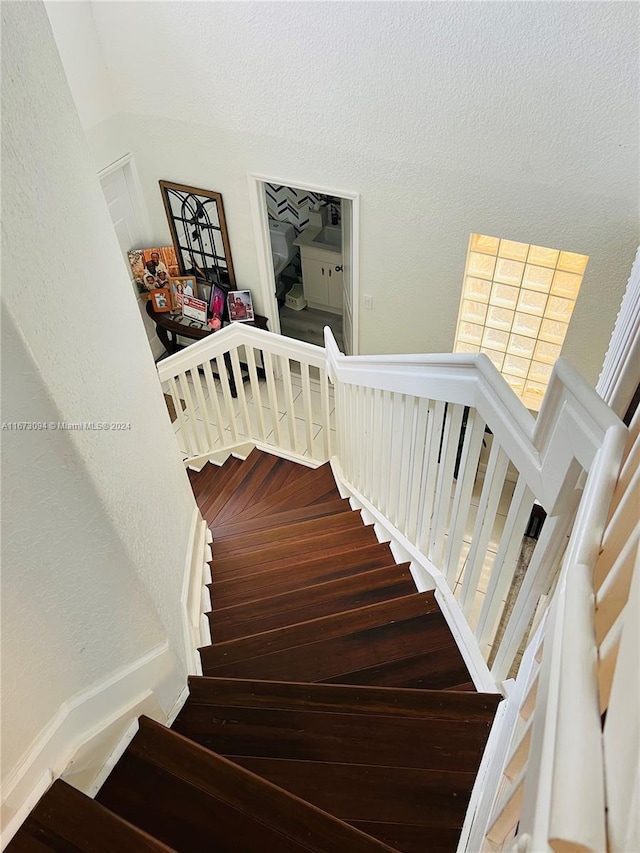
(182, 285)
(160, 299)
(194, 309)
(217, 301)
(240, 306)
(153, 267)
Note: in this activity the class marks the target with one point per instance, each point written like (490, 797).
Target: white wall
(95, 523)
(83, 60)
(513, 119)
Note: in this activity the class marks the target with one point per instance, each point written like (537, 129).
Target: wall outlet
(367, 300)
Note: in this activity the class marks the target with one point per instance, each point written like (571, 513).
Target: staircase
(335, 711)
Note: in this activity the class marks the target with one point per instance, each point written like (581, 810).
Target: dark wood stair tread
(442, 667)
(334, 647)
(313, 569)
(272, 556)
(356, 792)
(348, 738)
(407, 838)
(306, 489)
(326, 627)
(256, 480)
(293, 532)
(198, 801)
(303, 513)
(311, 602)
(65, 819)
(339, 698)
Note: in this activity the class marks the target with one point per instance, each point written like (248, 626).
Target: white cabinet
(322, 281)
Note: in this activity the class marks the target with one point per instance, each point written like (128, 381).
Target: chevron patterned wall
(287, 204)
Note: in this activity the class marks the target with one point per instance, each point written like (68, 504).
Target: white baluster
(206, 426)
(430, 471)
(444, 483)
(308, 411)
(288, 397)
(214, 402)
(471, 449)
(273, 398)
(419, 447)
(256, 395)
(242, 397)
(229, 413)
(504, 565)
(491, 491)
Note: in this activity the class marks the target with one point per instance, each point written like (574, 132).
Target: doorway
(314, 283)
(120, 187)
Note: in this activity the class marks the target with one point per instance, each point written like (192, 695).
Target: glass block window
(517, 300)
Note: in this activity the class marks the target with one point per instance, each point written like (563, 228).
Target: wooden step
(352, 792)
(267, 476)
(343, 699)
(308, 488)
(214, 500)
(303, 513)
(210, 477)
(272, 556)
(327, 627)
(333, 647)
(440, 668)
(311, 602)
(313, 569)
(347, 738)
(198, 801)
(67, 820)
(295, 532)
(413, 839)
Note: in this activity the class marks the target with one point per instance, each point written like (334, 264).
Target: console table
(171, 324)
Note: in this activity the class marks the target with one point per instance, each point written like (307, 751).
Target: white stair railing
(244, 386)
(569, 764)
(440, 451)
(442, 448)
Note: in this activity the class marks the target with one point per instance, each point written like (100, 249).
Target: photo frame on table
(217, 301)
(160, 299)
(194, 309)
(240, 306)
(182, 285)
(152, 268)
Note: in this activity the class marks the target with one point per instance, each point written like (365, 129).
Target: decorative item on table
(194, 309)
(199, 233)
(152, 268)
(182, 285)
(160, 299)
(217, 302)
(240, 306)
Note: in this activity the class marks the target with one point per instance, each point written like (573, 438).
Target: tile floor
(292, 432)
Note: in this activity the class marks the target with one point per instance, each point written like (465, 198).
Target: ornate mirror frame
(199, 233)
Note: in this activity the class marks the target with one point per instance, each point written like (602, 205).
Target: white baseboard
(82, 738)
(196, 600)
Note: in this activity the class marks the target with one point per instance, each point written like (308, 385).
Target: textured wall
(513, 119)
(84, 64)
(96, 523)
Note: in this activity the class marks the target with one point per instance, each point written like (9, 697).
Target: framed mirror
(199, 233)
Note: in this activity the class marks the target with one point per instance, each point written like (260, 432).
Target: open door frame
(263, 244)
